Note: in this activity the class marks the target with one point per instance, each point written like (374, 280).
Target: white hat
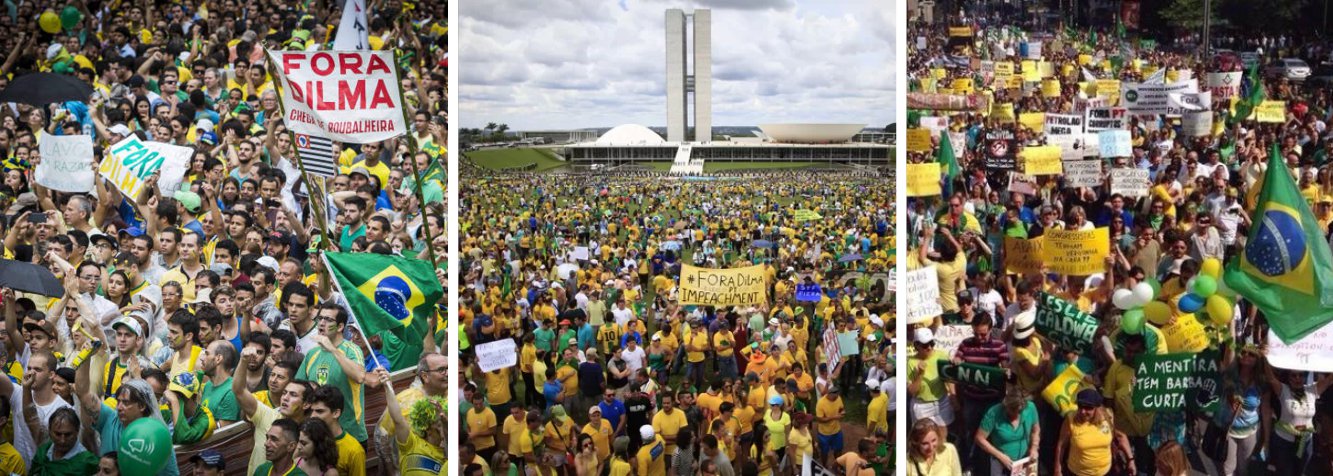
(873, 384)
(646, 432)
(874, 319)
(204, 124)
(773, 321)
(924, 335)
(1025, 323)
(871, 338)
(119, 129)
(268, 262)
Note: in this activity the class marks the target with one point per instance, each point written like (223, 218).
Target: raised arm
(246, 400)
(401, 429)
(355, 371)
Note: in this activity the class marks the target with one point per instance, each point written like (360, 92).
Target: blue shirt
(551, 390)
(612, 412)
(587, 336)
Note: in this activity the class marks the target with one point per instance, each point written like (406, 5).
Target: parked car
(1293, 69)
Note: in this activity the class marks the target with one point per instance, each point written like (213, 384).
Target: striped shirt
(990, 351)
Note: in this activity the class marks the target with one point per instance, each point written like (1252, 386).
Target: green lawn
(497, 159)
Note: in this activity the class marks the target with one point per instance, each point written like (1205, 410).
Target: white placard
(353, 30)
(1313, 352)
(935, 124)
(1197, 124)
(1063, 124)
(580, 253)
(66, 163)
(1224, 85)
(1144, 98)
(1182, 103)
(347, 96)
(1083, 173)
(1076, 146)
(131, 161)
(948, 338)
(1130, 182)
(921, 293)
(496, 355)
(1115, 144)
(1106, 119)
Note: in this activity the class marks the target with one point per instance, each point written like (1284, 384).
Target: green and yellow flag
(1286, 268)
(391, 297)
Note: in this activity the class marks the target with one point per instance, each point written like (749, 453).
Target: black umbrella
(40, 89)
(29, 278)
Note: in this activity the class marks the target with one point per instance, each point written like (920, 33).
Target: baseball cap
(186, 383)
(130, 323)
(208, 138)
(594, 410)
(132, 232)
(268, 262)
(1233, 192)
(646, 432)
(279, 236)
(210, 458)
(204, 124)
(189, 200)
(924, 336)
(1089, 397)
(120, 129)
(873, 385)
(775, 400)
(103, 237)
(42, 325)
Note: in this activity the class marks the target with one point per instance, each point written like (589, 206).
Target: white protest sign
(1021, 183)
(1313, 352)
(1115, 144)
(1107, 118)
(1130, 182)
(921, 290)
(1197, 124)
(1075, 146)
(346, 96)
(948, 338)
(496, 355)
(1083, 104)
(131, 161)
(353, 30)
(580, 253)
(1181, 103)
(1063, 124)
(1143, 98)
(66, 163)
(1083, 173)
(1224, 85)
(935, 124)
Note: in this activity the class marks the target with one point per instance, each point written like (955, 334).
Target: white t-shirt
(1297, 413)
(622, 316)
(989, 302)
(633, 358)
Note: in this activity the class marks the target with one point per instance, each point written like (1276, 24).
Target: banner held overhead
(346, 96)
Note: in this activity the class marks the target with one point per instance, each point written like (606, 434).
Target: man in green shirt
(351, 216)
(544, 337)
(63, 454)
(217, 361)
(279, 449)
(191, 421)
(337, 363)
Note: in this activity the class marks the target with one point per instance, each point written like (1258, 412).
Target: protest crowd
(587, 348)
(173, 300)
(1118, 253)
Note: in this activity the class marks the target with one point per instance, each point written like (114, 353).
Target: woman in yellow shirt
(800, 442)
(930, 455)
(1088, 434)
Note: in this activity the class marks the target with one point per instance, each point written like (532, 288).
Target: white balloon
(1123, 299)
(1142, 293)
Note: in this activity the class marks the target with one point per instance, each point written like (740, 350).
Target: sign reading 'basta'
(347, 96)
(722, 287)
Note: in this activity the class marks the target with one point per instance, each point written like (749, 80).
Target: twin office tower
(684, 78)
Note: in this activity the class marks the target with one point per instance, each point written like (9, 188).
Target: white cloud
(560, 64)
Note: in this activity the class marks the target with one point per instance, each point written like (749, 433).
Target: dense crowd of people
(1209, 199)
(208, 305)
(580, 272)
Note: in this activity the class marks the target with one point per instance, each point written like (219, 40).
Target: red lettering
(297, 95)
(377, 65)
(324, 104)
(326, 68)
(351, 63)
(290, 62)
(352, 96)
(380, 96)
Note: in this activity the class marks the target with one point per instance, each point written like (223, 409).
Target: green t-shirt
(1011, 440)
(81, 464)
(192, 429)
(322, 368)
(221, 401)
(543, 338)
(266, 469)
(349, 235)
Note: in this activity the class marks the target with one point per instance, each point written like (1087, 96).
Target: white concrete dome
(630, 134)
(811, 133)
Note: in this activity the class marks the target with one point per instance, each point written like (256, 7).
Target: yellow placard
(960, 31)
(1050, 88)
(1185, 334)
(938, 73)
(1076, 252)
(1271, 111)
(1109, 89)
(1042, 160)
(1172, 75)
(918, 140)
(928, 84)
(1004, 112)
(1034, 121)
(1031, 75)
(1022, 256)
(1015, 82)
(962, 85)
(1084, 59)
(722, 287)
(923, 180)
(1067, 71)
(1064, 389)
(1046, 69)
(1003, 71)
(1088, 89)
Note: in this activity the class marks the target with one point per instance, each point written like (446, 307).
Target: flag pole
(328, 268)
(412, 162)
(320, 217)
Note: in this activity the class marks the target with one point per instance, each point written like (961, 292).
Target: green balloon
(1132, 321)
(1205, 285)
(144, 448)
(1156, 286)
(70, 17)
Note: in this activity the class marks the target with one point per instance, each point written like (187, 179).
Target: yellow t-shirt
(698, 341)
(498, 391)
(351, 456)
(1031, 355)
(485, 418)
(804, 442)
(600, 432)
(1118, 388)
(828, 409)
(877, 414)
(513, 430)
(620, 467)
(724, 344)
(529, 441)
(557, 431)
(1089, 447)
(652, 456)
(418, 457)
(665, 425)
(932, 384)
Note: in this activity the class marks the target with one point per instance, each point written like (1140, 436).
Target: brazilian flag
(391, 297)
(1286, 268)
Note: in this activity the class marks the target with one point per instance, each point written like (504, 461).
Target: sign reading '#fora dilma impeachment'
(347, 96)
(722, 287)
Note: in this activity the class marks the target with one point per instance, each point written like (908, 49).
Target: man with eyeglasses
(338, 363)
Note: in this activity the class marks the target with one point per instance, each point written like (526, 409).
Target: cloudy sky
(566, 64)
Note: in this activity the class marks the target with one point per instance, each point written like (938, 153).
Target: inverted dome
(630, 134)
(811, 133)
